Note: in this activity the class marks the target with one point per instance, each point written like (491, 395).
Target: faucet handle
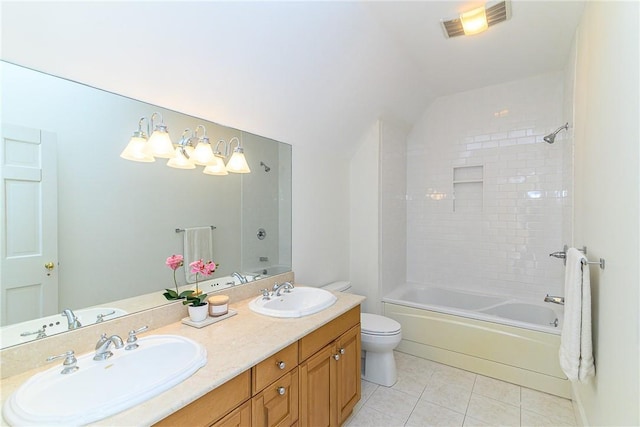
(265, 293)
(288, 286)
(70, 361)
(131, 341)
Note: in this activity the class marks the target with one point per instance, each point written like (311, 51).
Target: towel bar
(181, 230)
(563, 256)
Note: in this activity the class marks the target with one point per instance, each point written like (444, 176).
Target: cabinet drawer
(272, 368)
(213, 405)
(277, 404)
(319, 338)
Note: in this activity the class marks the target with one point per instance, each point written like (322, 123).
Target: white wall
(607, 212)
(393, 204)
(364, 219)
(320, 225)
(502, 226)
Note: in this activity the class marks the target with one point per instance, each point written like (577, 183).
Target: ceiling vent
(496, 13)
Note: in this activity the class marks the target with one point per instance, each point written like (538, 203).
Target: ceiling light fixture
(474, 21)
(477, 20)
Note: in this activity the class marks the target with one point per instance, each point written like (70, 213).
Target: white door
(29, 218)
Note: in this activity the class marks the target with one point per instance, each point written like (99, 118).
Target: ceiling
(313, 74)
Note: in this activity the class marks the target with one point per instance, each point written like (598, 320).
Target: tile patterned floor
(432, 394)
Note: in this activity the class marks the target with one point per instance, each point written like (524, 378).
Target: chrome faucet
(239, 276)
(555, 300)
(287, 286)
(103, 344)
(72, 320)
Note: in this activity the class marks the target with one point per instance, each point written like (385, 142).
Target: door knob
(49, 266)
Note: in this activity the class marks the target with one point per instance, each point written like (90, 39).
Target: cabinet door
(348, 373)
(240, 417)
(277, 404)
(317, 396)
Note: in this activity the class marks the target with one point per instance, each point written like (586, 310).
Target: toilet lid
(378, 325)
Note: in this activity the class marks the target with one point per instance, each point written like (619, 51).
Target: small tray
(209, 320)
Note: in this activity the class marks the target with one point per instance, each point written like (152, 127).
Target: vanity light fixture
(184, 155)
(160, 141)
(183, 152)
(203, 154)
(217, 167)
(137, 149)
(237, 163)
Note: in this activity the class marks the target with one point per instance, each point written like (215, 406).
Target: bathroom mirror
(117, 219)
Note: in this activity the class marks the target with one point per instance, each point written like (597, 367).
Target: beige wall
(606, 204)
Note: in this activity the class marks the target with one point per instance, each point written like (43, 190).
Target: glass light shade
(237, 163)
(216, 168)
(203, 154)
(179, 161)
(137, 150)
(474, 21)
(160, 143)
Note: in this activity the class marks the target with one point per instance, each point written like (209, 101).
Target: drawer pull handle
(281, 364)
(336, 356)
(342, 351)
(282, 391)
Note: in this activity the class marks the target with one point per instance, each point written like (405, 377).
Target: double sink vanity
(289, 366)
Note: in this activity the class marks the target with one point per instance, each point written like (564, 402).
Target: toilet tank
(343, 286)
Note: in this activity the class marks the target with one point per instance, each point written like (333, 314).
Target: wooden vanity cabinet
(330, 377)
(275, 389)
(214, 406)
(313, 382)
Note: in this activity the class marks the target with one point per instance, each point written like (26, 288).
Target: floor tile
(428, 414)
(498, 390)
(553, 407)
(529, 418)
(447, 394)
(393, 403)
(368, 417)
(492, 411)
(415, 365)
(411, 383)
(366, 391)
(459, 377)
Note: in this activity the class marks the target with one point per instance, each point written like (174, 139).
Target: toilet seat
(373, 324)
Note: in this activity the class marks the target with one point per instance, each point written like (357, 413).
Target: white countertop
(233, 346)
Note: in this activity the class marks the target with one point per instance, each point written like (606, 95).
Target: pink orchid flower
(175, 261)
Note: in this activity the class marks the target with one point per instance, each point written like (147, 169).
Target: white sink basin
(100, 389)
(299, 302)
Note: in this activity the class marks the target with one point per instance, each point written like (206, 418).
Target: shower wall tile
(526, 207)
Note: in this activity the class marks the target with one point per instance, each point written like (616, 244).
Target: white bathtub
(538, 316)
(512, 340)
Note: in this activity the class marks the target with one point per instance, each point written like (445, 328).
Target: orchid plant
(206, 269)
(174, 262)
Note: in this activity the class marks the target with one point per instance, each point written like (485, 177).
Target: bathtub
(512, 340)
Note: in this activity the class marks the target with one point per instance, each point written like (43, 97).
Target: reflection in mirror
(84, 228)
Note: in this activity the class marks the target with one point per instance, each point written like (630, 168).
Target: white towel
(198, 244)
(576, 353)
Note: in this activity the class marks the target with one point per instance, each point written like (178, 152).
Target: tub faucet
(103, 344)
(555, 300)
(239, 276)
(72, 320)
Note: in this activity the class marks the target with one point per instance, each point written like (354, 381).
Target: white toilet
(380, 336)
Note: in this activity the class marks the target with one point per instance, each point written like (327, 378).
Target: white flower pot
(200, 313)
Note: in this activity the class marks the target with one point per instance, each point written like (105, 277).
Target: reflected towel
(576, 353)
(198, 244)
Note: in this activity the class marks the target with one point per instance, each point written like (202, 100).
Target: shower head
(549, 139)
(266, 168)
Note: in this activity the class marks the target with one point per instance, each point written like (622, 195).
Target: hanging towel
(198, 244)
(576, 353)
